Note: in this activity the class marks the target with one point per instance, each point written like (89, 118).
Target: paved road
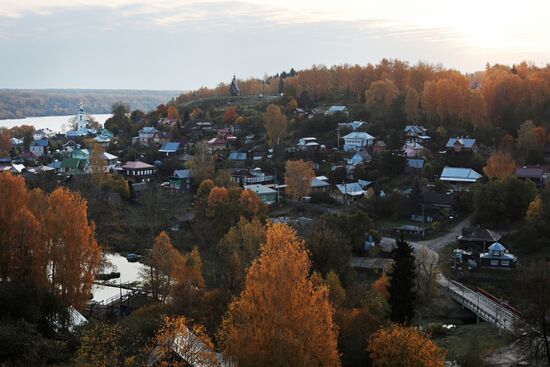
(440, 242)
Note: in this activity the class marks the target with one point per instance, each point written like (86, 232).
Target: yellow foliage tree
(281, 318)
(298, 176)
(400, 346)
(534, 211)
(500, 165)
(275, 123)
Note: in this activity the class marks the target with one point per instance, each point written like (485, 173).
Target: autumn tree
(230, 115)
(528, 145)
(427, 270)
(412, 101)
(238, 248)
(250, 203)
(190, 343)
(100, 345)
(380, 97)
(172, 113)
(275, 123)
(500, 165)
(98, 164)
(298, 176)
(73, 253)
(400, 346)
(5, 143)
(163, 259)
(289, 324)
(534, 211)
(201, 198)
(202, 164)
(187, 290)
(329, 249)
(402, 295)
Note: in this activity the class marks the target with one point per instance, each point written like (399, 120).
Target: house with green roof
(75, 166)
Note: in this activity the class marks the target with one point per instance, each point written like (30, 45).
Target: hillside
(19, 103)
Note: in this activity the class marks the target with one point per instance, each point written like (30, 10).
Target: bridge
(484, 305)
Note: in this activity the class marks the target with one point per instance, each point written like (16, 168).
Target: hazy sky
(181, 44)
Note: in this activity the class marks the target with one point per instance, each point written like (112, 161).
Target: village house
(257, 153)
(477, 239)
(308, 144)
(412, 150)
(137, 171)
(337, 109)
(266, 194)
(497, 257)
(43, 134)
(536, 174)
(461, 144)
(357, 141)
(416, 134)
(319, 184)
(171, 148)
(146, 136)
(414, 163)
(216, 144)
(181, 180)
(75, 166)
(359, 157)
(347, 193)
(245, 177)
(455, 175)
(38, 148)
(16, 142)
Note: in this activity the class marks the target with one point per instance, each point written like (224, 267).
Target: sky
(186, 44)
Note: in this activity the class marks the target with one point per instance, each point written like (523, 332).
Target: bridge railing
(488, 308)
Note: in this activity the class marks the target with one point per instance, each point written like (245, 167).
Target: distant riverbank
(54, 123)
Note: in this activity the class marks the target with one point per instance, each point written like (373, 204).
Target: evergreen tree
(402, 281)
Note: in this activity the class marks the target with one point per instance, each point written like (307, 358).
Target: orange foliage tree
(280, 318)
(73, 253)
(298, 176)
(500, 165)
(163, 259)
(172, 113)
(400, 346)
(47, 240)
(230, 115)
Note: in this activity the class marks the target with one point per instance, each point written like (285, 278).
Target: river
(129, 272)
(54, 123)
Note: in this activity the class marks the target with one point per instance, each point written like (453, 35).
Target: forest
(21, 103)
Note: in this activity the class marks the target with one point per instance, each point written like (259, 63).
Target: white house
(357, 141)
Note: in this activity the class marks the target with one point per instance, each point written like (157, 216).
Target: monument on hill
(234, 88)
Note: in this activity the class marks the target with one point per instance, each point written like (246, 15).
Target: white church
(81, 125)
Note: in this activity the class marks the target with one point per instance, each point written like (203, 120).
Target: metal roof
(459, 174)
